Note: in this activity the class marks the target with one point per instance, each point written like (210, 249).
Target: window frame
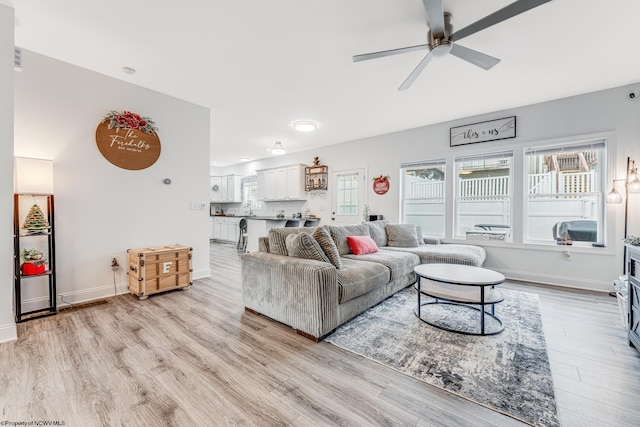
(457, 160)
(602, 145)
(434, 163)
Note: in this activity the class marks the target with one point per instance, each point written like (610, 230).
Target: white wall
(608, 112)
(7, 325)
(103, 210)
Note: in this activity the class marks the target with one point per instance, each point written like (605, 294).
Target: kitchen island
(259, 226)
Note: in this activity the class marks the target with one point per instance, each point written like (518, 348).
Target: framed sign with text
(128, 140)
(491, 130)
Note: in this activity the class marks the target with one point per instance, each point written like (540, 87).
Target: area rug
(508, 372)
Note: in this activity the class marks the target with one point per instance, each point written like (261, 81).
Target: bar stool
(242, 236)
(313, 222)
(292, 223)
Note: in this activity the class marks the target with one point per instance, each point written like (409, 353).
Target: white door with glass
(348, 196)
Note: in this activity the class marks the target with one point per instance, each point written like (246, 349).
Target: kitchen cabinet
(225, 228)
(216, 194)
(283, 183)
(226, 189)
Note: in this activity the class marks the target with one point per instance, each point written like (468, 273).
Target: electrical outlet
(115, 264)
(567, 256)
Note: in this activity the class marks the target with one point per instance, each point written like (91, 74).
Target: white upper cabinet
(226, 189)
(283, 183)
(216, 193)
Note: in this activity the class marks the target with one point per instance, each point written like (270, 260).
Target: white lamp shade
(614, 197)
(634, 186)
(32, 176)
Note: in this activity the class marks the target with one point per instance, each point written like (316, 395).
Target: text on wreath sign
(129, 141)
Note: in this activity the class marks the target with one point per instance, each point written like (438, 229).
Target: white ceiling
(260, 65)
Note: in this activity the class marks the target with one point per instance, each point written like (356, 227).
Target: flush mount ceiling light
(243, 159)
(128, 70)
(305, 126)
(277, 148)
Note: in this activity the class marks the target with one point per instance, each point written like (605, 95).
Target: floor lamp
(631, 185)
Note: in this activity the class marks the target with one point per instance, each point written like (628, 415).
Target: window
(483, 196)
(423, 196)
(565, 202)
(250, 195)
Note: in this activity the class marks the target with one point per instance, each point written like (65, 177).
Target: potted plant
(33, 262)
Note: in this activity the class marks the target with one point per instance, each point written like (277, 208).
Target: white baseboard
(77, 297)
(555, 280)
(201, 274)
(92, 294)
(8, 332)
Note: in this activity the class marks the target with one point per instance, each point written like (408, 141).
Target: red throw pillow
(361, 245)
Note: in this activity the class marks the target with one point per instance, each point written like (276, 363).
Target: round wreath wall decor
(381, 184)
(128, 140)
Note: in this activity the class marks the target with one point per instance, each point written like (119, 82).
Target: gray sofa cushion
(402, 235)
(419, 235)
(378, 232)
(339, 235)
(399, 263)
(278, 238)
(322, 236)
(359, 277)
(302, 245)
(448, 254)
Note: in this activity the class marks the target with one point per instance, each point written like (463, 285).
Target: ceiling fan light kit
(441, 37)
(277, 148)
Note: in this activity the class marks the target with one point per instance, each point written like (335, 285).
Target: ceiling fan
(441, 38)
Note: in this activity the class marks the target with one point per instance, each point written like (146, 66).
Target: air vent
(17, 59)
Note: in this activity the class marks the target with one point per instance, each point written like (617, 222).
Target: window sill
(545, 247)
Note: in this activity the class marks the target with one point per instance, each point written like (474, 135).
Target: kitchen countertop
(261, 217)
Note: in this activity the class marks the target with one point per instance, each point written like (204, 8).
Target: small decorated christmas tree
(35, 220)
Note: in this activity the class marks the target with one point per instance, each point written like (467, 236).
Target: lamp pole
(626, 215)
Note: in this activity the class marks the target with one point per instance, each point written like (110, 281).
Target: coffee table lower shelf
(489, 323)
(455, 290)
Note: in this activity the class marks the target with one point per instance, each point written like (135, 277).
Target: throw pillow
(361, 245)
(302, 245)
(339, 235)
(419, 234)
(322, 236)
(278, 236)
(402, 235)
(378, 232)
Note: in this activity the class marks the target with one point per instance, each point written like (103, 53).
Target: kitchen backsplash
(268, 208)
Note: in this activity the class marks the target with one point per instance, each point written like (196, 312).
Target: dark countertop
(269, 218)
(263, 218)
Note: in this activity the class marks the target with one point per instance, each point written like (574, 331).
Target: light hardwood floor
(195, 358)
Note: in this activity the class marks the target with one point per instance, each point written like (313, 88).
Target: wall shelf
(316, 177)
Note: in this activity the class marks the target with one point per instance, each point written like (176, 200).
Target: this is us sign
(484, 131)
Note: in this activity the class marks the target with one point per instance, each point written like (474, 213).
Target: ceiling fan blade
(416, 72)
(382, 54)
(473, 56)
(503, 14)
(435, 15)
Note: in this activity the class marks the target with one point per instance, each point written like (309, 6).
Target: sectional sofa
(311, 280)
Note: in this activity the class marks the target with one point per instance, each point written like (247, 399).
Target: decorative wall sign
(491, 130)
(128, 140)
(381, 184)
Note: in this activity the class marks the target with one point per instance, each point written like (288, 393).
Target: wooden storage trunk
(159, 269)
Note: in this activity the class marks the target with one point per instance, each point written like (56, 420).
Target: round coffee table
(463, 286)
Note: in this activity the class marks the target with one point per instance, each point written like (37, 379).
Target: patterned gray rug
(508, 372)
